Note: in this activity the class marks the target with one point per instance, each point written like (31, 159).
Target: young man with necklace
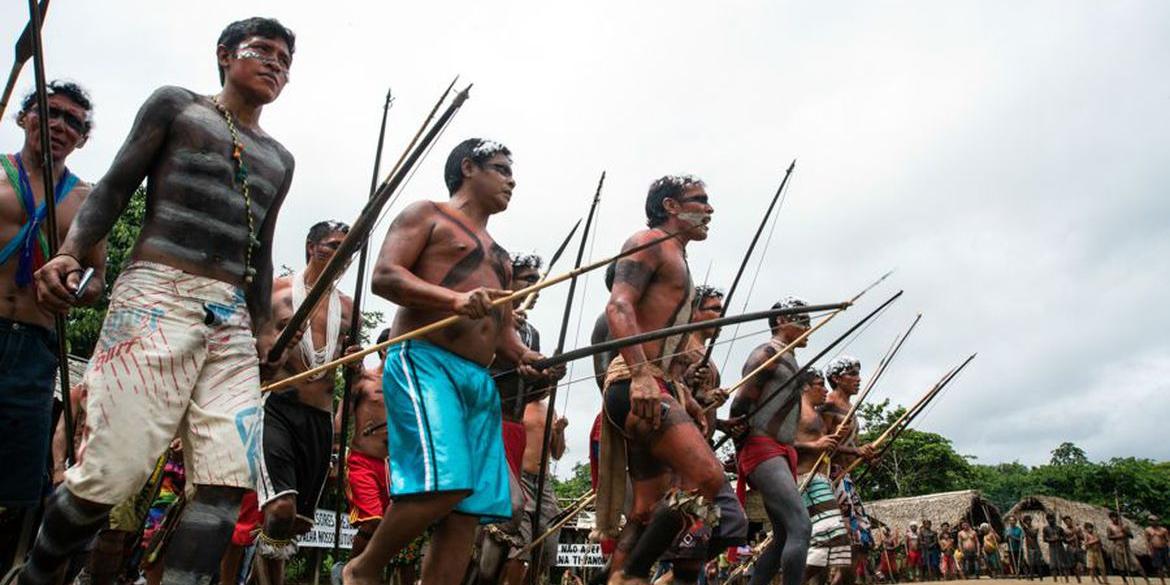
(296, 426)
(177, 352)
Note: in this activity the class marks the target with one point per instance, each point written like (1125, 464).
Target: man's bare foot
(618, 578)
(351, 577)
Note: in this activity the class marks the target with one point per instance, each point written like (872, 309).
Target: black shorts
(642, 464)
(297, 445)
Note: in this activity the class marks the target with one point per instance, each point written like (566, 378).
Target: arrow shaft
(746, 257)
(355, 327)
(452, 319)
(359, 232)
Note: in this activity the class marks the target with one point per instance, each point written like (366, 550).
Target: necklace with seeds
(240, 179)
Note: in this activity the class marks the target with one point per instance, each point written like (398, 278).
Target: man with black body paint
(177, 352)
(767, 455)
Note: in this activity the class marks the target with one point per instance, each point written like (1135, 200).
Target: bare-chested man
(177, 351)
(1158, 540)
(767, 455)
(829, 543)
(702, 543)
(1053, 536)
(522, 439)
(969, 544)
(447, 465)
(296, 426)
(29, 364)
(645, 401)
(545, 555)
(367, 481)
(844, 376)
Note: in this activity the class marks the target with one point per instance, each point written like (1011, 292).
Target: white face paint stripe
(412, 392)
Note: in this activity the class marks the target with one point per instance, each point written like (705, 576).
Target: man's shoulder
(644, 236)
(171, 99)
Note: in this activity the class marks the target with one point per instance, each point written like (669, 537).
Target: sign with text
(579, 555)
(321, 535)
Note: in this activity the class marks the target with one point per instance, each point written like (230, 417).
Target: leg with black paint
(791, 527)
(68, 525)
(202, 536)
(275, 543)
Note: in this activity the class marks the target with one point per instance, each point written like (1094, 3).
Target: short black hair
(704, 292)
(610, 275)
(69, 89)
(669, 186)
(788, 302)
(269, 28)
(478, 151)
(809, 376)
(322, 229)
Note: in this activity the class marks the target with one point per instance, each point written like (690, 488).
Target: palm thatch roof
(76, 371)
(1038, 506)
(950, 507)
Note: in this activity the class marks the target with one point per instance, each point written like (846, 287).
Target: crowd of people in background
(1063, 548)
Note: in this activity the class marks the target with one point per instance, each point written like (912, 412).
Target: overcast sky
(1010, 160)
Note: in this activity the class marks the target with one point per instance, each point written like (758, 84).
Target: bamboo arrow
(451, 320)
(891, 433)
(546, 442)
(359, 232)
(355, 327)
(792, 380)
(531, 298)
(743, 264)
(827, 456)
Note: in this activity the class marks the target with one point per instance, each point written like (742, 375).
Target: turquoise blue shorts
(444, 429)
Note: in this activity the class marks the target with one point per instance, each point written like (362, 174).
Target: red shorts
(594, 449)
(367, 488)
(756, 450)
(913, 558)
(248, 521)
(515, 441)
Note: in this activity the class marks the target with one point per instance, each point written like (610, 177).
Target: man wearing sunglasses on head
(28, 358)
(296, 426)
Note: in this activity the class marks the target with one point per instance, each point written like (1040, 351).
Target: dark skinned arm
(102, 207)
(632, 276)
(393, 279)
(558, 437)
(751, 391)
(259, 295)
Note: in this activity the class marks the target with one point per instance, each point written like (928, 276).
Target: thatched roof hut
(77, 367)
(1039, 506)
(951, 507)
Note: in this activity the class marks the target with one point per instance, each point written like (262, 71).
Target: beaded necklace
(241, 178)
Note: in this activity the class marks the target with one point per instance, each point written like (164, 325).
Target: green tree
(84, 323)
(575, 486)
(916, 463)
(1068, 454)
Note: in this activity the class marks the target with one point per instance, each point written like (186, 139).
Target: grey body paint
(791, 527)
